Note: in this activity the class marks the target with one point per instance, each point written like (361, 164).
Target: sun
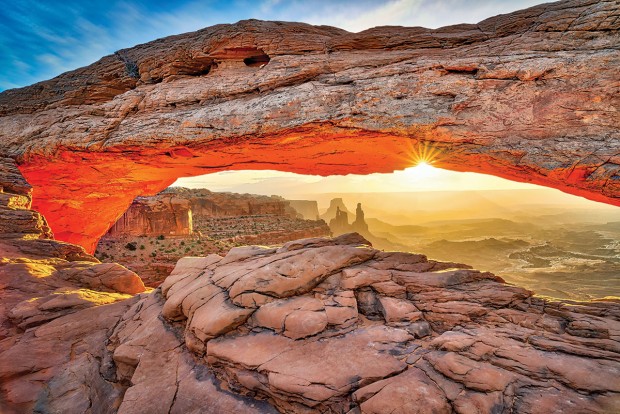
(422, 156)
(424, 153)
(422, 170)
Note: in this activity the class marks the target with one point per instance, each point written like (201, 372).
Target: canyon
(155, 232)
(513, 96)
(320, 324)
(264, 330)
(555, 244)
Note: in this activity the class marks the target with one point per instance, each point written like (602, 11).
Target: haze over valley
(552, 243)
(329, 206)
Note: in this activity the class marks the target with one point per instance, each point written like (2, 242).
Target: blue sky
(42, 39)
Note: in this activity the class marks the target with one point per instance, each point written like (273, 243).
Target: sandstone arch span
(531, 96)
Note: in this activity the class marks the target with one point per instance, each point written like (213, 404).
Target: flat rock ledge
(333, 325)
(320, 325)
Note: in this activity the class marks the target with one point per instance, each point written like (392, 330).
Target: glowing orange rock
(529, 96)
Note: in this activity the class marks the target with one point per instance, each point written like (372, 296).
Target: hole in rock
(553, 243)
(257, 60)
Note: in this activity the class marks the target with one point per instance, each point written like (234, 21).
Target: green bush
(131, 246)
(161, 237)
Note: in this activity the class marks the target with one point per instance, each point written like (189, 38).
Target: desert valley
(561, 246)
(279, 217)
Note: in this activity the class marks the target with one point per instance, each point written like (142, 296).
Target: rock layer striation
(530, 96)
(333, 325)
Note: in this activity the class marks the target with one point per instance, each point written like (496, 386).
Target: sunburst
(425, 153)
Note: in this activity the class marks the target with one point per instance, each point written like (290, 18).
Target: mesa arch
(531, 96)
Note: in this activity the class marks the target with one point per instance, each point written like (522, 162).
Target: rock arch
(531, 96)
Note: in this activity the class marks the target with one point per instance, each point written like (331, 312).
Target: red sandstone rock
(198, 222)
(177, 211)
(528, 96)
(149, 216)
(63, 316)
(450, 340)
(488, 346)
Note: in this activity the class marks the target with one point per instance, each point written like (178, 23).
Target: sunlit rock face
(316, 325)
(43, 281)
(333, 325)
(153, 216)
(58, 308)
(530, 96)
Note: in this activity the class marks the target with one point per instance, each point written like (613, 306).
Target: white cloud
(84, 41)
(425, 13)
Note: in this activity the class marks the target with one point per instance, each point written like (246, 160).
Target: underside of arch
(532, 96)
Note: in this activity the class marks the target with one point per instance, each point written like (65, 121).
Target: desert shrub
(131, 246)
(132, 70)
(131, 66)
(161, 237)
(141, 247)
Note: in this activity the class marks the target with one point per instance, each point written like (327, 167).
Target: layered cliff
(207, 203)
(530, 96)
(155, 232)
(179, 211)
(165, 214)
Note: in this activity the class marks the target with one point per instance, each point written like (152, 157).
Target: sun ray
(425, 152)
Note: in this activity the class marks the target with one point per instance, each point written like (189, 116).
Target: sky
(420, 178)
(42, 39)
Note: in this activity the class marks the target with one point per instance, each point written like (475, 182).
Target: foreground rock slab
(378, 332)
(283, 329)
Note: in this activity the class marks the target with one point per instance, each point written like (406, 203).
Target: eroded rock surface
(40, 278)
(369, 331)
(155, 232)
(530, 96)
(62, 316)
(56, 305)
(317, 325)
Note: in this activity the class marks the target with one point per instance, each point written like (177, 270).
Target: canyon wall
(206, 203)
(164, 215)
(308, 209)
(530, 96)
(200, 222)
(175, 211)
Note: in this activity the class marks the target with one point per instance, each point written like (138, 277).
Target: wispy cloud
(42, 39)
(361, 15)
